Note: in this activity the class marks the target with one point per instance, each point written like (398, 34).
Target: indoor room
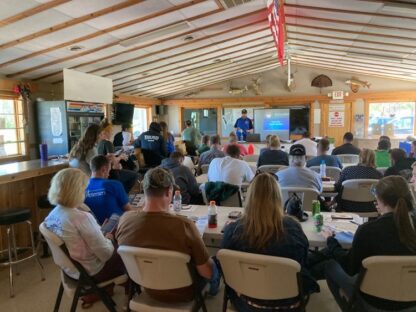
(208, 155)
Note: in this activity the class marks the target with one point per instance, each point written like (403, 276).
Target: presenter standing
(243, 125)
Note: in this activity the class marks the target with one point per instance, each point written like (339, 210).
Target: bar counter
(21, 184)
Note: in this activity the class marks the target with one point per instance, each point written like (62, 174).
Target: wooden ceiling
(221, 40)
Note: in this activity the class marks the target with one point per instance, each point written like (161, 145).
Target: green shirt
(383, 159)
(203, 148)
(191, 135)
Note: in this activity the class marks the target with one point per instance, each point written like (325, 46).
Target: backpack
(294, 207)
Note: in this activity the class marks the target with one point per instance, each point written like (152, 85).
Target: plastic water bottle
(322, 169)
(177, 201)
(212, 215)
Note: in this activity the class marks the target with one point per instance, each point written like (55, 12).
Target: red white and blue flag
(276, 16)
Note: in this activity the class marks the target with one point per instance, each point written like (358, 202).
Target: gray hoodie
(184, 178)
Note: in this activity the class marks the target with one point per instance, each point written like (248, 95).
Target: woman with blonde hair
(392, 234)
(78, 228)
(264, 229)
(366, 169)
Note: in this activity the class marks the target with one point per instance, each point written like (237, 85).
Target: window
(392, 119)
(12, 134)
(139, 121)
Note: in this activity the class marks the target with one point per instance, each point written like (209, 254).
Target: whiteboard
(79, 86)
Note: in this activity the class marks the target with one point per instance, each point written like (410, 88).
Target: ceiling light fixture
(188, 38)
(76, 48)
(157, 34)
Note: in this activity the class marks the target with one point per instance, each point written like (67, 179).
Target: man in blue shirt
(330, 160)
(103, 196)
(243, 125)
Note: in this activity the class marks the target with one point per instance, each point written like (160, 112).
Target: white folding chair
(261, 277)
(251, 158)
(271, 168)
(349, 158)
(160, 270)
(204, 169)
(387, 277)
(359, 191)
(332, 172)
(85, 284)
(306, 194)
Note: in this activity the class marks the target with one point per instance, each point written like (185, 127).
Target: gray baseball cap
(159, 178)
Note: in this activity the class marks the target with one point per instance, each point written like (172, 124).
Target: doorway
(205, 119)
(336, 121)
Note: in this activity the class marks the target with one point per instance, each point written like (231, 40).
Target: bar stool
(9, 219)
(44, 204)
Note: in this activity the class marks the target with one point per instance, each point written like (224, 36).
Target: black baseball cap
(244, 111)
(297, 150)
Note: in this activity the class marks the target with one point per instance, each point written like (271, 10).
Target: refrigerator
(61, 124)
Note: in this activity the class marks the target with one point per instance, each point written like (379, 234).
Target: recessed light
(76, 48)
(188, 38)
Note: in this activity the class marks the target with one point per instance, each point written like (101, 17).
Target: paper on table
(343, 226)
(202, 224)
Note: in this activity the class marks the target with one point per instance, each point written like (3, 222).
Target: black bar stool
(9, 219)
(44, 204)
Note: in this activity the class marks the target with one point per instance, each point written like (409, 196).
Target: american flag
(276, 15)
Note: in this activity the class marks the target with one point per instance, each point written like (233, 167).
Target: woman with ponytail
(391, 234)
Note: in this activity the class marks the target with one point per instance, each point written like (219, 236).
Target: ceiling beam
(70, 23)
(97, 34)
(191, 58)
(33, 11)
(334, 10)
(353, 39)
(206, 73)
(141, 46)
(173, 48)
(190, 66)
(237, 74)
(348, 31)
(71, 57)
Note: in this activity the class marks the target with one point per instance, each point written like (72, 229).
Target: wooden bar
(21, 184)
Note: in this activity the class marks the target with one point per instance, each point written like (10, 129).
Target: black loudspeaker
(123, 113)
(161, 109)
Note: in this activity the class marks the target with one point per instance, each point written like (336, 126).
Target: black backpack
(294, 207)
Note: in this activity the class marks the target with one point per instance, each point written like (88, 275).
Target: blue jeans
(337, 279)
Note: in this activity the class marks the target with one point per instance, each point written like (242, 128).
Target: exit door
(336, 120)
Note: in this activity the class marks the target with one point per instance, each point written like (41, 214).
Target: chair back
(306, 194)
(59, 256)
(260, 276)
(358, 190)
(332, 172)
(233, 201)
(349, 158)
(204, 168)
(271, 168)
(390, 277)
(156, 269)
(251, 158)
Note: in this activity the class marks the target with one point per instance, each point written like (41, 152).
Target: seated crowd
(263, 228)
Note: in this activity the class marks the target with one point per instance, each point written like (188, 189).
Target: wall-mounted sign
(79, 107)
(336, 115)
(337, 95)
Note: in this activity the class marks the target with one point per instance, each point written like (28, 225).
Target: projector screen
(272, 121)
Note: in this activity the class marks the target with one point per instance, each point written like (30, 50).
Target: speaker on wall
(161, 109)
(123, 113)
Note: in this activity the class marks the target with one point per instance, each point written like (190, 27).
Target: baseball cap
(159, 178)
(297, 150)
(244, 111)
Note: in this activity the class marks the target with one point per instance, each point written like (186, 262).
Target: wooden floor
(32, 295)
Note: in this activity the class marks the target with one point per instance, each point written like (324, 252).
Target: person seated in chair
(204, 147)
(233, 140)
(308, 143)
(154, 227)
(330, 160)
(392, 234)
(364, 170)
(214, 152)
(184, 178)
(230, 169)
(297, 175)
(105, 197)
(123, 138)
(264, 229)
(152, 145)
(273, 155)
(79, 230)
(383, 154)
(401, 165)
(347, 148)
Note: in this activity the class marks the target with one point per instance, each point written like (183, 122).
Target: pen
(354, 222)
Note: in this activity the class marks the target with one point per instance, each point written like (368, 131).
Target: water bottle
(212, 215)
(322, 169)
(177, 201)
